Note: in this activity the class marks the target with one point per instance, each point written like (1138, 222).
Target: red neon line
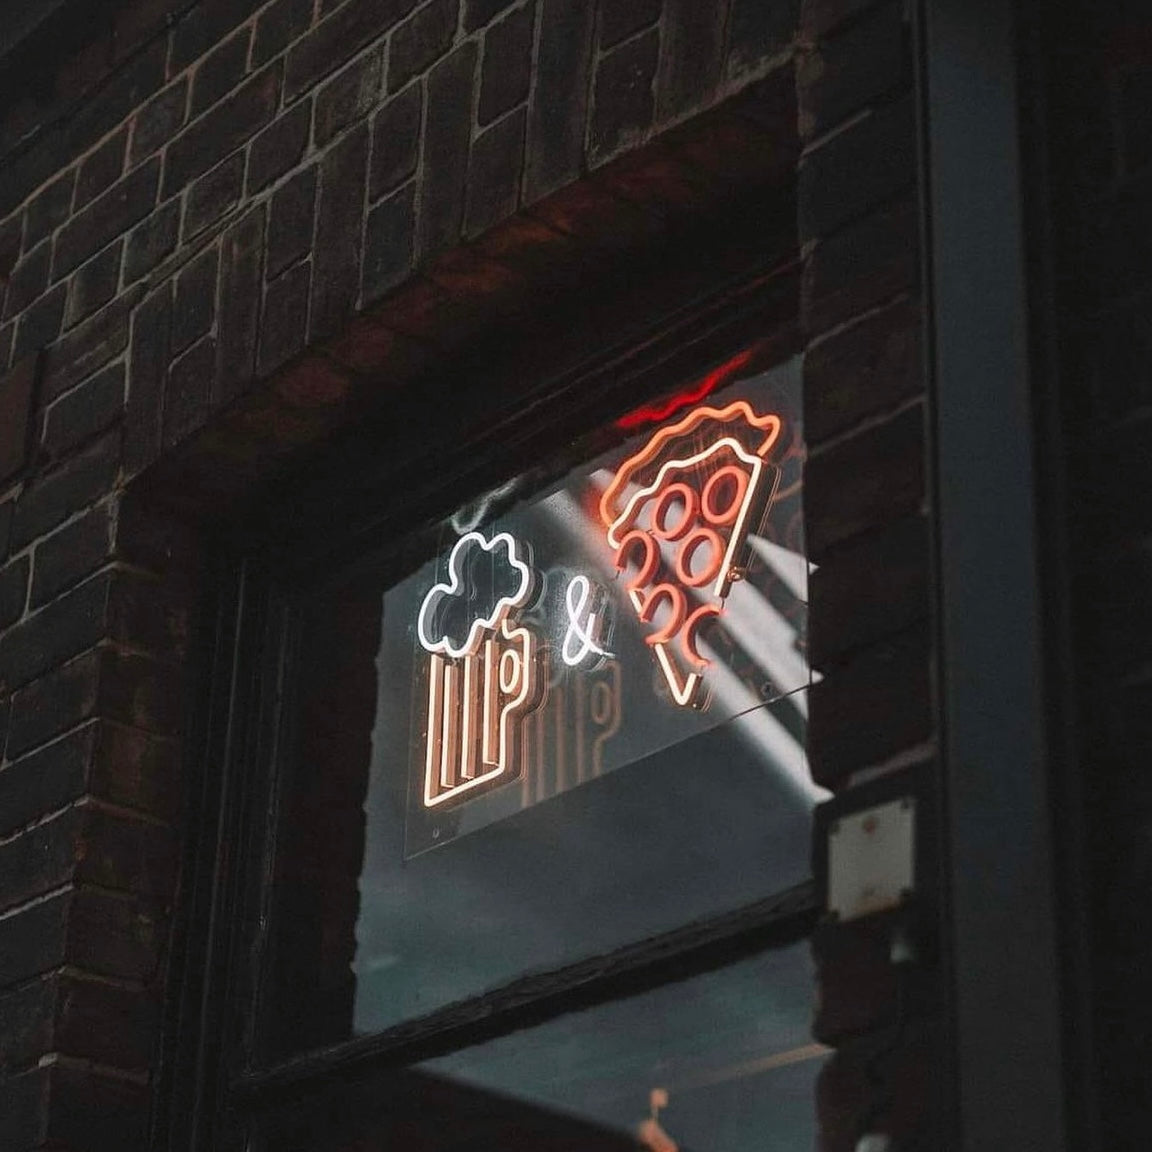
(655, 413)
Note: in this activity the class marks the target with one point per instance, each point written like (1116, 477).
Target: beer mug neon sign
(478, 687)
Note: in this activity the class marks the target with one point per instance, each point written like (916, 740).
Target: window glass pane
(580, 723)
(722, 1062)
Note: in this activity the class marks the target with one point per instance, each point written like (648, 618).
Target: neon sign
(483, 673)
(677, 516)
(666, 498)
(584, 624)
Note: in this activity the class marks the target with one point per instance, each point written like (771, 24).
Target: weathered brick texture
(865, 505)
(224, 223)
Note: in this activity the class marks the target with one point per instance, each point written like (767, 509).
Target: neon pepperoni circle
(730, 474)
(685, 554)
(688, 634)
(676, 601)
(664, 502)
(649, 563)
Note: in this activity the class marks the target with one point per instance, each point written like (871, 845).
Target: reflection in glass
(428, 853)
(718, 1063)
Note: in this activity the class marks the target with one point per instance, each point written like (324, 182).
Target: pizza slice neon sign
(676, 495)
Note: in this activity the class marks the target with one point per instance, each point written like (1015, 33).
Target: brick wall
(203, 207)
(865, 506)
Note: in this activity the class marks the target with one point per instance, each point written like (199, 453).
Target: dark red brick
(869, 708)
(758, 32)
(72, 553)
(280, 146)
(95, 1109)
(339, 227)
(93, 284)
(447, 133)
(40, 324)
(290, 221)
(101, 169)
(421, 40)
(861, 267)
(838, 76)
(129, 86)
(89, 346)
(477, 13)
(65, 490)
(189, 389)
(195, 302)
(106, 1022)
(106, 218)
(204, 26)
(347, 97)
(691, 47)
(230, 124)
(27, 281)
(38, 860)
(13, 591)
(45, 780)
(277, 26)
(151, 329)
(159, 120)
(151, 241)
(122, 853)
(53, 704)
(507, 67)
(136, 770)
(863, 166)
(213, 195)
(56, 633)
(868, 588)
(395, 141)
(34, 941)
(17, 398)
(241, 255)
(11, 232)
(220, 71)
(49, 209)
(623, 103)
(27, 1019)
(388, 243)
(24, 1108)
(7, 508)
(285, 322)
(620, 19)
(862, 370)
(867, 480)
(494, 172)
(352, 26)
(111, 934)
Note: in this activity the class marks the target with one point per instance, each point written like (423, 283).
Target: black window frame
(210, 1093)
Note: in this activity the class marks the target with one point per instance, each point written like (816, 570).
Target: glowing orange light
(739, 410)
(694, 496)
(473, 702)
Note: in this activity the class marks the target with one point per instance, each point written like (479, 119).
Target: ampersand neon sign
(584, 624)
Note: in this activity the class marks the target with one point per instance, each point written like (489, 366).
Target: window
(529, 850)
